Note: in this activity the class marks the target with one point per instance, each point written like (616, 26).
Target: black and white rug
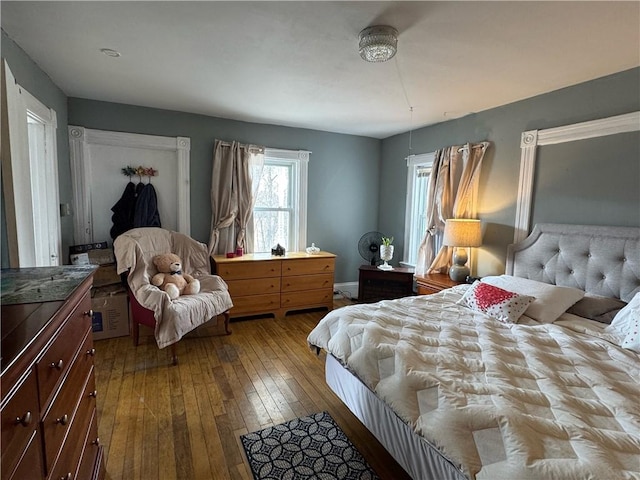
(312, 447)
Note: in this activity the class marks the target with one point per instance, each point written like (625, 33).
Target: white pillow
(495, 301)
(627, 323)
(550, 302)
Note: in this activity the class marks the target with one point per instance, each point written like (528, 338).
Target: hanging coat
(123, 210)
(146, 212)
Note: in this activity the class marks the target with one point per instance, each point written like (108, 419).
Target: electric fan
(369, 247)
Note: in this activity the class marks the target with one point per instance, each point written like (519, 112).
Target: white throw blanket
(501, 401)
(134, 251)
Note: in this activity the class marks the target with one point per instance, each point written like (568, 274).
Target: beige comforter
(500, 401)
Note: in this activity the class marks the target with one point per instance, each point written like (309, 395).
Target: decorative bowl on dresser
(266, 284)
(47, 384)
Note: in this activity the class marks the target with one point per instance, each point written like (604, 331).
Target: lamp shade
(462, 232)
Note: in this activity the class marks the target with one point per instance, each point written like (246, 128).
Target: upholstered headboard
(597, 259)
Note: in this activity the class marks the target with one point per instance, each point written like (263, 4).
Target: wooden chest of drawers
(375, 284)
(48, 406)
(262, 283)
(434, 282)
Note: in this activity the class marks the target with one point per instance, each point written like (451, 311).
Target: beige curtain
(250, 172)
(451, 194)
(231, 195)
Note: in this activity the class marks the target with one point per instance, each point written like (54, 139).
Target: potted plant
(386, 253)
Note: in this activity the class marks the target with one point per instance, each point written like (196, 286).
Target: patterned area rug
(305, 448)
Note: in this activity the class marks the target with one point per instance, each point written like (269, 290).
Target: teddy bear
(170, 277)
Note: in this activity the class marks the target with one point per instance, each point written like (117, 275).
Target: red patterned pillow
(494, 301)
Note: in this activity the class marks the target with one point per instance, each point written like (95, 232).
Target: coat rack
(140, 171)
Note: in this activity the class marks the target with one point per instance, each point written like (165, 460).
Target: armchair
(171, 319)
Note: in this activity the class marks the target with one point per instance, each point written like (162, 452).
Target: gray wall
(343, 169)
(38, 83)
(603, 97)
(357, 184)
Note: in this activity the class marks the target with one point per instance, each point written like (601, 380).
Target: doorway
(30, 177)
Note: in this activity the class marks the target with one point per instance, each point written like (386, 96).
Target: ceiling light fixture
(110, 52)
(378, 43)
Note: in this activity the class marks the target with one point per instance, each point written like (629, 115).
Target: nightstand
(434, 282)
(375, 284)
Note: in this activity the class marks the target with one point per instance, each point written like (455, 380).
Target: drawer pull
(25, 420)
(63, 420)
(92, 352)
(96, 442)
(88, 314)
(68, 476)
(57, 365)
(93, 394)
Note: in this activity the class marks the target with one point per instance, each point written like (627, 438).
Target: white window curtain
(452, 193)
(232, 195)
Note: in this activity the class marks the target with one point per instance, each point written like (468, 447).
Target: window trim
(413, 162)
(300, 158)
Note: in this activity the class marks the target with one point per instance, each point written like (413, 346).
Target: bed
(455, 393)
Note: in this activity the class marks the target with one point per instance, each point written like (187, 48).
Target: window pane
(271, 228)
(418, 211)
(274, 190)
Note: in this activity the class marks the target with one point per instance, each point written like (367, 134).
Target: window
(280, 209)
(419, 172)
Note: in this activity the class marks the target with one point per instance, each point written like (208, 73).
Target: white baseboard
(345, 290)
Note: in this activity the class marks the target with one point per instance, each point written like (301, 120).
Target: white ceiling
(297, 63)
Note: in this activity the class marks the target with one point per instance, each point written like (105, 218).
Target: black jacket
(123, 210)
(146, 213)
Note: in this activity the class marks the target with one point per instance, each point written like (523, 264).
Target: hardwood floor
(158, 421)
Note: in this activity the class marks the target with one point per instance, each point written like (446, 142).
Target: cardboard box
(110, 315)
(106, 275)
(102, 256)
(97, 253)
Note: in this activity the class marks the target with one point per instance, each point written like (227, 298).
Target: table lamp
(461, 233)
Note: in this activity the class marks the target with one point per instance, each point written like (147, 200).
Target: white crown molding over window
(531, 139)
(80, 140)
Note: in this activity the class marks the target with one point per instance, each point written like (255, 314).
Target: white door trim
(29, 244)
(81, 138)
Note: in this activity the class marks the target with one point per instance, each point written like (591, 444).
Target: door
(30, 177)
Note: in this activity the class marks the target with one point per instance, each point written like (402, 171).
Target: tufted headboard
(597, 259)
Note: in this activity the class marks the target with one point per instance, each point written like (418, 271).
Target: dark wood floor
(159, 421)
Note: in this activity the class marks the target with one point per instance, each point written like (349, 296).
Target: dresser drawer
(255, 304)
(307, 298)
(254, 286)
(308, 266)
(70, 458)
(60, 416)
(19, 423)
(29, 464)
(307, 282)
(90, 449)
(54, 363)
(240, 270)
(428, 289)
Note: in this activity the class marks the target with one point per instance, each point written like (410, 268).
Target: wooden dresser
(48, 406)
(262, 283)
